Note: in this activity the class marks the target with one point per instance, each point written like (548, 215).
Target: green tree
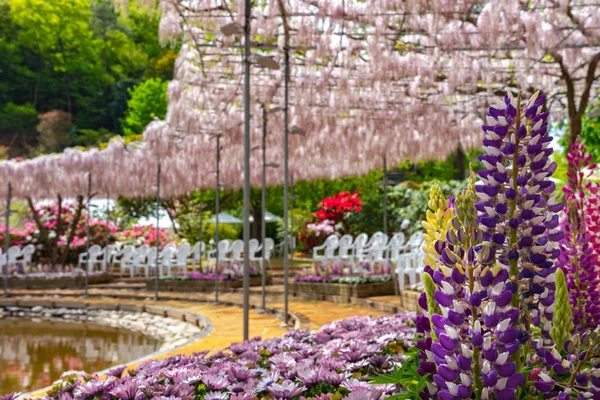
(58, 32)
(148, 100)
(590, 132)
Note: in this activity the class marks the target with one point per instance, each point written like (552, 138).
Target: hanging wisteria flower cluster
(578, 257)
(499, 322)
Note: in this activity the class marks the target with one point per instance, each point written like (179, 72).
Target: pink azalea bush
(60, 231)
(139, 235)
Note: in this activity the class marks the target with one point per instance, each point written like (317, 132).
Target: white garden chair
(108, 255)
(223, 248)
(408, 262)
(92, 257)
(180, 257)
(345, 254)
(253, 248)
(235, 252)
(137, 261)
(14, 252)
(123, 257)
(378, 250)
(26, 256)
(358, 247)
(329, 247)
(395, 246)
(267, 250)
(197, 254)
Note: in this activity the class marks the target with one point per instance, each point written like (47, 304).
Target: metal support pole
(107, 217)
(7, 238)
(157, 232)
(201, 240)
(263, 199)
(293, 237)
(87, 233)
(286, 132)
(217, 195)
(247, 15)
(385, 224)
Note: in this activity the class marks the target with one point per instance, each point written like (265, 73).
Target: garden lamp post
(385, 183)
(217, 171)
(87, 233)
(269, 63)
(157, 227)
(293, 130)
(7, 239)
(263, 198)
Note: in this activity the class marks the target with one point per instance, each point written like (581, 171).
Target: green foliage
(77, 56)
(406, 201)
(406, 376)
(148, 100)
(590, 131)
(226, 231)
(91, 137)
(20, 119)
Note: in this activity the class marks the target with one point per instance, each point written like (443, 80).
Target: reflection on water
(33, 354)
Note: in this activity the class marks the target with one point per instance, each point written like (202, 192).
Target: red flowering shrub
(338, 207)
(331, 218)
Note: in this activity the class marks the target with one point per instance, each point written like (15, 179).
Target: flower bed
(347, 280)
(196, 282)
(333, 363)
(56, 280)
(347, 287)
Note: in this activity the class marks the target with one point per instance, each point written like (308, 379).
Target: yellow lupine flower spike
(438, 221)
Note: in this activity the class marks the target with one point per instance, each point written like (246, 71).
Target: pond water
(33, 354)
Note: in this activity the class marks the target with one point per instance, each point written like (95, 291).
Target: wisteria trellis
(373, 77)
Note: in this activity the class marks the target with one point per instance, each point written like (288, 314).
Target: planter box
(58, 283)
(410, 300)
(201, 286)
(345, 290)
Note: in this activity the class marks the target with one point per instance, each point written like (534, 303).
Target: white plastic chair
(90, 258)
(165, 261)
(409, 262)
(267, 250)
(223, 248)
(197, 254)
(329, 247)
(26, 256)
(253, 248)
(378, 250)
(138, 260)
(109, 253)
(235, 252)
(358, 247)
(395, 245)
(180, 257)
(123, 257)
(14, 252)
(345, 254)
